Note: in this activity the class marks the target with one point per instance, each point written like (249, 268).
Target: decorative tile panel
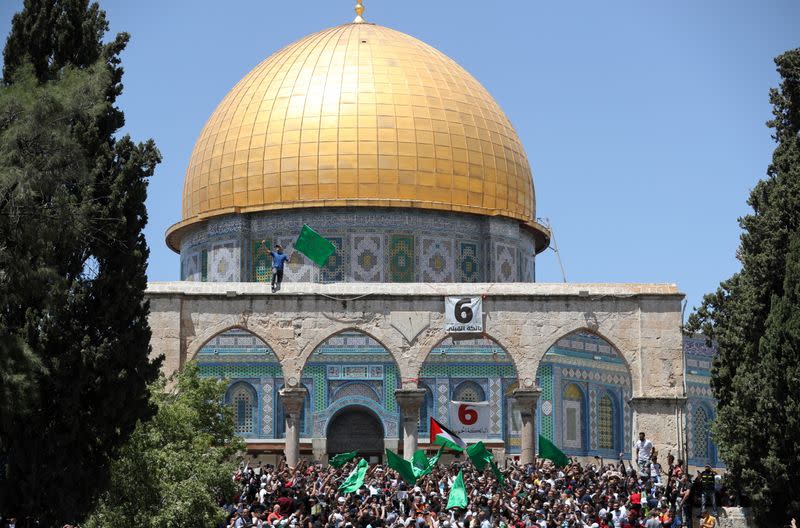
(191, 267)
(204, 266)
(495, 405)
(545, 381)
(267, 387)
(401, 258)
(224, 262)
(367, 258)
(334, 268)
(593, 418)
(504, 264)
(436, 260)
(262, 261)
(468, 263)
(355, 372)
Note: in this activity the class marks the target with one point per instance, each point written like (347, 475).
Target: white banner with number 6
(471, 418)
(463, 315)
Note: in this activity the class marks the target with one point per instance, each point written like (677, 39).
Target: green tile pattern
(262, 261)
(401, 258)
(545, 375)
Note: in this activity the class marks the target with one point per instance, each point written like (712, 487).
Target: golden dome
(358, 115)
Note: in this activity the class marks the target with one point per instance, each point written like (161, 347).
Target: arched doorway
(356, 428)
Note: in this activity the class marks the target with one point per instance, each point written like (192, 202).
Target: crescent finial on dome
(359, 12)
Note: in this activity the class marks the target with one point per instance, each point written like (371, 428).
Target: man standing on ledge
(644, 451)
(279, 258)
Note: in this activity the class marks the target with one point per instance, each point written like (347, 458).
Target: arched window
(605, 428)
(469, 391)
(242, 397)
(700, 434)
(572, 430)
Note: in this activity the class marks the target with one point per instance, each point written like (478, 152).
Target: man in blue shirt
(279, 258)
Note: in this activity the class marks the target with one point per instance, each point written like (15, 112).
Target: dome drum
(372, 245)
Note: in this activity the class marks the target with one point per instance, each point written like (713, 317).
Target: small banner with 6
(463, 314)
(470, 418)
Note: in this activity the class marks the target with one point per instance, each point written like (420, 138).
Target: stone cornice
(593, 291)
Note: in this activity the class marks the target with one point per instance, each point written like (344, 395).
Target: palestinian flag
(441, 435)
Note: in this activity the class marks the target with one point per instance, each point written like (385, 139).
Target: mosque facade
(399, 157)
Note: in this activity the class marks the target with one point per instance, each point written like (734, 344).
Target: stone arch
(443, 336)
(349, 366)
(585, 360)
(194, 347)
(382, 339)
(480, 363)
(626, 355)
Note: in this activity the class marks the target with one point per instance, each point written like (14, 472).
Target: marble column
(293, 400)
(525, 401)
(409, 401)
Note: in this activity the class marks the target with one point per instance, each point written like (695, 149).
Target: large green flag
(402, 466)
(479, 455)
(420, 460)
(342, 459)
(548, 450)
(355, 479)
(497, 473)
(422, 465)
(314, 246)
(457, 498)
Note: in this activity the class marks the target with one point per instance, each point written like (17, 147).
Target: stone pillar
(409, 401)
(526, 403)
(661, 419)
(293, 400)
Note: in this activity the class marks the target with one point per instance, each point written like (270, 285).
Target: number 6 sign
(463, 314)
(471, 418)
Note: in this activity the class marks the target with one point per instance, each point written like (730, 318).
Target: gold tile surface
(354, 115)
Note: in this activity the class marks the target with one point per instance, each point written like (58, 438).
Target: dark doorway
(356, 428)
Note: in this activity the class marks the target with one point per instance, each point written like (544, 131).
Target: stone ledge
(346, 290)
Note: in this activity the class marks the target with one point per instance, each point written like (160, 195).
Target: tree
(177, 466)
(755, 372)
(73, 257)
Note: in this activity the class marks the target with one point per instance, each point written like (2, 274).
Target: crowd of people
(596, 495)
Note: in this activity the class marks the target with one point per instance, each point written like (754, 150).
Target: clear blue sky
(643, 120)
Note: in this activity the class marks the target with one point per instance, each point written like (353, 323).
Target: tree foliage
(73, 317)
(178, 465)
(755, 373)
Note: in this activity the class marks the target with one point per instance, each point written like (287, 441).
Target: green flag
(457, 498)
(314, 246)
(497, 473)
(479, 455)
(420, 461)
(355, 479)
(402, 466)
(548, 450)
(422, 465)
(342, 459)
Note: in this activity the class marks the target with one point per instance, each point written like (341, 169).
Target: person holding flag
(279, 259)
